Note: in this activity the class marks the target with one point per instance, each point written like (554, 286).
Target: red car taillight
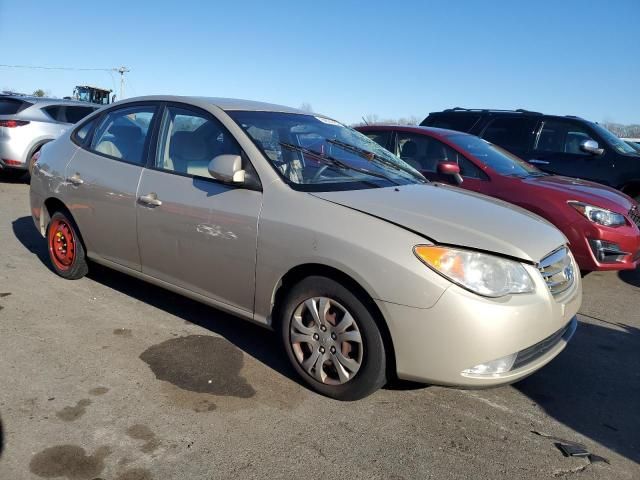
(13, 123)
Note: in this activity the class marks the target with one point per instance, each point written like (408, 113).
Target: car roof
(431, 131)
(46, 100)
(228, 104)
(498, 113)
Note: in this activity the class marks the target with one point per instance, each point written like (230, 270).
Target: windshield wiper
(329, 160)
(371, 156)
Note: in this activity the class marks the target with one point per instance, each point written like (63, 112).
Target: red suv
(602, 224)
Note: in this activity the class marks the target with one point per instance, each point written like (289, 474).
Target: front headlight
(480, 273)
(598, 215)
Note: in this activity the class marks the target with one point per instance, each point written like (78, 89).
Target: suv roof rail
(461, 109)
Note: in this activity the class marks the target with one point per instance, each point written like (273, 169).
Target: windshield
(618, 144)
(314, 153)
(494, 157)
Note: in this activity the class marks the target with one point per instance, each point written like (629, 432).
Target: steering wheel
(318, 174)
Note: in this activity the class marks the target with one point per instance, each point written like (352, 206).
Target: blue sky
(345, 58)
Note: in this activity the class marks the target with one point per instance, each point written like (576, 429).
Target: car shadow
(24, 179)
(632, 277)
(255, 340)
(593, 387)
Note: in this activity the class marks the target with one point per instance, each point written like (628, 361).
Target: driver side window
(561, 137)
(190, 140)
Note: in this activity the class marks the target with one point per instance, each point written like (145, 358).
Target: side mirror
(227, 168)
(450, 168)
(591, 146)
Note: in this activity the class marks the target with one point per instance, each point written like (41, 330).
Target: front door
(193, 231)
(102, 181)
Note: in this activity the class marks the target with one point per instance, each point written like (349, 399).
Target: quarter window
(561, 137)
(190, 140)
(83, 131)
(123, 133)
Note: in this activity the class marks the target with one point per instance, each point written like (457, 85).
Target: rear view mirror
(227, 168)
(450, 168)
(591, 146)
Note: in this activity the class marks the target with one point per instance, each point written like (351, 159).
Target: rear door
(193, 231)
(556, 149)
(102, 180)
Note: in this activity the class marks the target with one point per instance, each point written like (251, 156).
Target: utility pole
(122, 71)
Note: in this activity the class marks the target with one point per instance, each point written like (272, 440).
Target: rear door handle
(75, 180)
(150, 200)
(541, 162)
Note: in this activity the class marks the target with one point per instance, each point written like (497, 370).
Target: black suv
(569, 146)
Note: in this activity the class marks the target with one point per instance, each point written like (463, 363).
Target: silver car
(300, 224)
(27, 123)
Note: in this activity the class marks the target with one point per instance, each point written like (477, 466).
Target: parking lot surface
(111, 378)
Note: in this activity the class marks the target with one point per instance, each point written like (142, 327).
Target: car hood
(583, 191)
(452, 216)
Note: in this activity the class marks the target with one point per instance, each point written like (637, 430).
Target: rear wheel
(332, 339)
(66, 252)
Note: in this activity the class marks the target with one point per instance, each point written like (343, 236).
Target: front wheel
(332, 339)
(66, 252)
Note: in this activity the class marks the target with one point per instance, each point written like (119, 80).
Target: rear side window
(11, 106)
(122, 133)
(67, 113)
(461, 123)
(512, 134)
(56, 112)
(75, 114)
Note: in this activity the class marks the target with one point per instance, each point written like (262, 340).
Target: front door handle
(150, 200)
(541, 162)
(75, 180)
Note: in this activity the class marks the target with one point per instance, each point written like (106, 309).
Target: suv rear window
(11, 106)
(461, 123)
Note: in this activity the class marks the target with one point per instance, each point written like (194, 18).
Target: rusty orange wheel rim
(62, 244)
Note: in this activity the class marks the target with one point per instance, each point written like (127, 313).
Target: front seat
(188, 152)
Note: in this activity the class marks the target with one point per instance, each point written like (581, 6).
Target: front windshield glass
(617, 143)
(495, 157)
(315, 153)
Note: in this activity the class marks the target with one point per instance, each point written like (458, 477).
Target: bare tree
(374, 119)
(623, 131)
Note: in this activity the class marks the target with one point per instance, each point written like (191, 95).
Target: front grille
(557, 271)
(536, 351)
(634, 214)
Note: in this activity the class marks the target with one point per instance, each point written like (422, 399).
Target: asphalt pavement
(111, 378)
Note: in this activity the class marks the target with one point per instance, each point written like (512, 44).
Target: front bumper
(586, 240)
(462, 330)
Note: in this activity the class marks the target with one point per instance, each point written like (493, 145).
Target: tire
(66, 251)
(352, 369)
